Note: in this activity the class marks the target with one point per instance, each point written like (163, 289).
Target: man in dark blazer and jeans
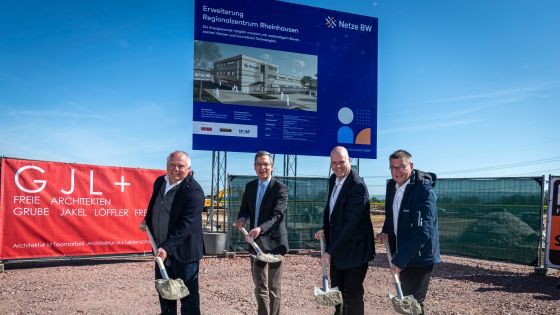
(265, 202)
(411, 224)
(174, 216)
(348, 233)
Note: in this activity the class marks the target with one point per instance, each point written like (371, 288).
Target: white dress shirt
(336, 190)
(399, 192)
(168, 185)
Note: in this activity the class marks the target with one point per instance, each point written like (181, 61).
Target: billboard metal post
(355, 164)
(290, 165)
(219, 176)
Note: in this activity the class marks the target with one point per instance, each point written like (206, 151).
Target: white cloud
(53, 114)
(506, 96)
(428, 126)
(298, 63)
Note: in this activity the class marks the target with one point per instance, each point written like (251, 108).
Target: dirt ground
(125, 286)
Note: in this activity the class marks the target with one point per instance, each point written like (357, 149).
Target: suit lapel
(267, 192)
(181, 194)
(161, 181)
(341, 193)
(332, 182)
(252, 198)
(253, 189)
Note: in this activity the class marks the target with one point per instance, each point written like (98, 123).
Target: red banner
(52, 209)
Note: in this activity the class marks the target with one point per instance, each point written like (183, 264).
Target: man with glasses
(264, 202)
(411, 224)
(348, 233)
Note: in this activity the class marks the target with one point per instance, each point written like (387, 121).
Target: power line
(538, 172)
(504, 166)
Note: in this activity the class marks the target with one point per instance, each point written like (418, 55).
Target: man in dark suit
(264, 202)
(348, 233)
(174, 216)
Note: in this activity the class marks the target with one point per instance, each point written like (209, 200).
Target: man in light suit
(264, 202)
(348, 233)
(174, 216)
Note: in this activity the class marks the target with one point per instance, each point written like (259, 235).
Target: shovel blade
(330, 297)
(172, 289)
(406, 305)
(268, 258)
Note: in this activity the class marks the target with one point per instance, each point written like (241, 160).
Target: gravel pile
(126, 286)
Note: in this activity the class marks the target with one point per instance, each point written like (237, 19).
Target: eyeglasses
(337, 163)
(401, 167)
(267, 165)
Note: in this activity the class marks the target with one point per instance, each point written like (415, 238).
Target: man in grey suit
(264, 202)
(348, 233)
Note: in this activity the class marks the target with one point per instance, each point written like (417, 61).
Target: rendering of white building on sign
(254, 75)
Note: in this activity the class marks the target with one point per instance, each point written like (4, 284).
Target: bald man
(348, 233)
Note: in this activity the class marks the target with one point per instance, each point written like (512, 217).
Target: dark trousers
(415, 281)
(350, 283)
(189, 304)
(267, 278)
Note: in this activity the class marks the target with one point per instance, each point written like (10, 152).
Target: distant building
(255, 74)
(202, 74)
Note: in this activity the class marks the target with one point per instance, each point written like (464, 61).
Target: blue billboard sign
(283, 77)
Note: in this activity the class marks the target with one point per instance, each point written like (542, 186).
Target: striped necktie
(333, 198)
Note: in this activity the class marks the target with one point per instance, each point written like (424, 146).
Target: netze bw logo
(330, 22)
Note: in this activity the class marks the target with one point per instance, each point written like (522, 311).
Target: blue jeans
(189, 304)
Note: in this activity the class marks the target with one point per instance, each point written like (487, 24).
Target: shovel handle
(395, 276)
(162, 268)
(398, 286)
(152, 241)
(252, 241)
(323, 265)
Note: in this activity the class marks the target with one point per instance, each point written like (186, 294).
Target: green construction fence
(487, 218)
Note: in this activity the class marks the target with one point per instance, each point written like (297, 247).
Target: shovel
(326, 296)
(268, 258)
(401, 304)
(169, 289)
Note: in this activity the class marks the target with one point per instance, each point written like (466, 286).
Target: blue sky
(470, 88)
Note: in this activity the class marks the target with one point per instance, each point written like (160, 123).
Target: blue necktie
(260, 193)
